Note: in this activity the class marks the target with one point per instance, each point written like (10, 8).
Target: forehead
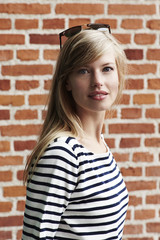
(107, 57)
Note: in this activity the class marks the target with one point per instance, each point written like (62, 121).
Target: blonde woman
(74, 187)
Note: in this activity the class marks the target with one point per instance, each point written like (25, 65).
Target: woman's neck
(92, 126)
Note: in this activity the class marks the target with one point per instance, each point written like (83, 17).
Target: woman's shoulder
(63, 142)
(66, 145)
(60, 151)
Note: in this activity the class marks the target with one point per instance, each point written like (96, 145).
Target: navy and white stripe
(75, 194)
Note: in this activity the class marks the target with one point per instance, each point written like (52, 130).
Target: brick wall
(28, 51)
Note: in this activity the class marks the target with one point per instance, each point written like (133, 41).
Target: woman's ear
(68, 85)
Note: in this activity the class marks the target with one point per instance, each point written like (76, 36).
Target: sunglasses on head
(74, 30)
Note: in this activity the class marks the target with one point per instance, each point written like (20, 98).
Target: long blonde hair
(61, 118)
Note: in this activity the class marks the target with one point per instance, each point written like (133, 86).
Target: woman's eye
(82, 71)
(107, 69)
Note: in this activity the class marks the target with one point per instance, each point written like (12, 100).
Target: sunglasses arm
(60, 41)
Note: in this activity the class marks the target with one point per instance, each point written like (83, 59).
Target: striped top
(75, 194)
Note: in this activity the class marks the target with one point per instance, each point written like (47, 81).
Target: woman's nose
(96, 80)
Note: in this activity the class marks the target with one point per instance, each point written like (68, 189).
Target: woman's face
(94, 87)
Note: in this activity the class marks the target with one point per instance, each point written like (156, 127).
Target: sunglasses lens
(97, 26)
(72, 31)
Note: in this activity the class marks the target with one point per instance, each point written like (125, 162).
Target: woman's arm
(49, 192)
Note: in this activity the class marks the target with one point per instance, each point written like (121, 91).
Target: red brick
(153, 227)
(38, 99)
(26, 114)
(79, 9)
(138, 69)
(110, 142)
(111, 22)
(142, 157)
(18, 70)
(14, 191)
(133, 229)
(27, 55)
(44, 113)
(21, 205)
(4, 235)
(144, 38)
(4, 84)
(5, 176)
(131, 128)
(128, 216)
(5, 206)
(44, 39)
(153, 54)
(144, 214)
(153, 199)
(19, 234)
(131, 113)
(130, 171)
(78, 21)
(154, 24)
(123, 38)
(140, 185)
(129, 142)
(20, 130)
(24, 145)
(12, 39)
(153, 113)
(132, 23)
(135, 201)
(154, 83)
(6, 55)
(131, 9)
(5, 24)
(125, 99)
(51, 54)
(111, 114)
(103, 129)
(47, 84)
(20, 174)
(152, 142)
(140, 238)
(26, 84)
(4, 146)
(11, 160)
(11, 100)
(22, 8)
(153, 171)
(26, 24)
(121, 157)
(144, 99)
(54, 23)
(135, 84)
(4, 114)
(11, 221)
(134, 54)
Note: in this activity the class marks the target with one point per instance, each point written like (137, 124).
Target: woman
(74, 187)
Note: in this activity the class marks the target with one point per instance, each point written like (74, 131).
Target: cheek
(114, 83)
(76, 86)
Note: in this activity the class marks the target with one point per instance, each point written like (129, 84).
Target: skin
(94, 88)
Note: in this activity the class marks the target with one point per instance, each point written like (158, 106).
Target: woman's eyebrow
(108, 63)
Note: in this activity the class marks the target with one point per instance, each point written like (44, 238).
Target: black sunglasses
(74, 30)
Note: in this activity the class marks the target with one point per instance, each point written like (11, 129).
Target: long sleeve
(49, 192)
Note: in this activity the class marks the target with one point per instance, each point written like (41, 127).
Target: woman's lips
(98, 95)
